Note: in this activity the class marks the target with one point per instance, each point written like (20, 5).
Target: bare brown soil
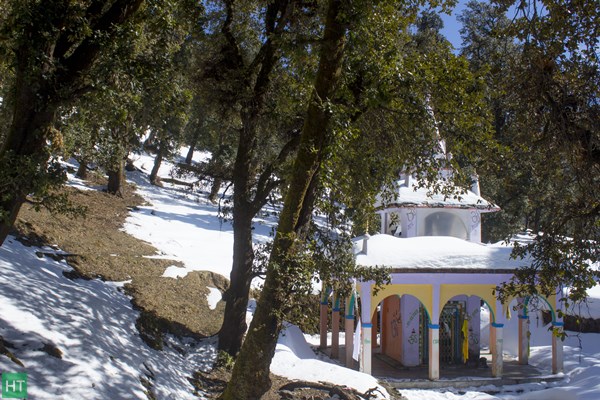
(97, 247)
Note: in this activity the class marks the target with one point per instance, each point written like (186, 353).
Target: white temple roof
(434, 252)
(408, 194)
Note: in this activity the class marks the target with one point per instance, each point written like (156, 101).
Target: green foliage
(44, 180)
(542, 74)
(140, 86)
(404, 91)
(225, 360)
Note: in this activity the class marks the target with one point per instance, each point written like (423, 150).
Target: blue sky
(452, 26)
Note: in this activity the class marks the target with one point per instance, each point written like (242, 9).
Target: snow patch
(213, 297)
(295, 359)
(175, 272)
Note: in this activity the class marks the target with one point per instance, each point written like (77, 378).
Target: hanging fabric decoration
(356, 349)
(465, 340)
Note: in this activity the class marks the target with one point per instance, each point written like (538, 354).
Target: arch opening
(460, 330)
(443, 223)
(404, 333)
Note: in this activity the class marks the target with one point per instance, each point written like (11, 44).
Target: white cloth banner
(357, 332)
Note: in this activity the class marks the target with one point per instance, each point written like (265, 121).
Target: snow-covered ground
(103, 357)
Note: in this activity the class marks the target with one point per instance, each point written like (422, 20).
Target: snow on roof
(410, 194)
(434, 252)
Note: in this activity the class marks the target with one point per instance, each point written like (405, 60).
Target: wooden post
(349, 334)
(323, 325)
(523, 339)
(335, 332)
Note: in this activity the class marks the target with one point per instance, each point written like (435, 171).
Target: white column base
(434, 352)
(557, 349)
(366, 349)
(497, 359)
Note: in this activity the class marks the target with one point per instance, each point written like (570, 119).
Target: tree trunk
(250, 376)
(116, 179)
(82, 171)
(23, 148)
(245, 206)
(190, 153)
(11, 208)
(234, 322)
(214, 189)
(154, 179)
(217, 166)
(40, 87)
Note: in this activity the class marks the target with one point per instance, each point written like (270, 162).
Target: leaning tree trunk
(154, 179)
(193, 143)
(250, 376)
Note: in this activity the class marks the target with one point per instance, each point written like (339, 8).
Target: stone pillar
(323, 324)
(366, 349)
(557, 347)
(349, 335)
(434, 352)
(497, 339)
(335, 332)
(474, 313)
(523, 339)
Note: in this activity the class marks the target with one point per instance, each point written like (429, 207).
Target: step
(466, 382)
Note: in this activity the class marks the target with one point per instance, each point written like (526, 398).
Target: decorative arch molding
(325, 295)
(484, 291)
(548, 303)
(350, 305)
(423, 293)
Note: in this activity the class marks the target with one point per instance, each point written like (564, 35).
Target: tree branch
(85, 54)
(65, 42)
(232, 50)
(265, 184)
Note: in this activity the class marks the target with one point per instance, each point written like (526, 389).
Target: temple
(442, 277)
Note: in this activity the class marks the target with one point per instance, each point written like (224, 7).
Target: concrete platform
(455, 376)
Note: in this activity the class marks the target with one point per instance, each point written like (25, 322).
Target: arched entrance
(461, 330)
(404, 330)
